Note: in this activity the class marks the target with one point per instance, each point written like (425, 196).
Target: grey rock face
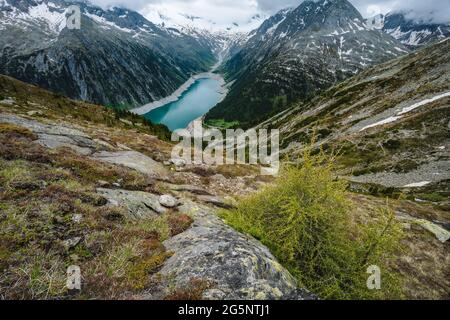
(133, 160)
(54, 135)
(216, 201)
(189, 188)
(139, 205)
(71, 243)
(238, 266)
(439, 232)
(81, 146)
(40, 128)
(117, 57)
(427, 173)
(8, 101)
(414, 34)
(178, 162)
(297, 53)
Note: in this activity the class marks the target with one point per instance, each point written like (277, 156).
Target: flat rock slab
(439, 232)
(133, 160)
(216, 201)
(139, 205)
(38, 127)
(189, 188)
(80, 145)
(54, 135)
(238, 266)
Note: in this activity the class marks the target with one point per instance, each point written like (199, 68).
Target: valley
(200, 97)
(88, 176)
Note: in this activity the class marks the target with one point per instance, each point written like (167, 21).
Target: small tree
(308, 222)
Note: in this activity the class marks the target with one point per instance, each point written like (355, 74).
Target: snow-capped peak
(52, 15)
(414, 33)
(179, 20)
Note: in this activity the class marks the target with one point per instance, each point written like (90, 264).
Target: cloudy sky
(225, 12)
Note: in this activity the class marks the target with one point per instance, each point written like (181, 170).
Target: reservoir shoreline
(177, 94)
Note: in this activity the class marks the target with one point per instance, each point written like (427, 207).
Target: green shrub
(307, 221)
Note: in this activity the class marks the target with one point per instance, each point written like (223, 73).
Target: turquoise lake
(195, 102)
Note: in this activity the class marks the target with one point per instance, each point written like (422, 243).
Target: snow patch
(274, 27)
(417, 184)
(406, 110)
(382, 122)
(107, 23)
(50, 14)
(422, 103)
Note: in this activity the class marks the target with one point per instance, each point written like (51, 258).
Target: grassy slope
(41, 190)
(33, 98)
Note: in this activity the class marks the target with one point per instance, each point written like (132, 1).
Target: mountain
(296, 53)
(170, 18)
(223, 40)
(411, 33)
(390, 124)
(117, 57)
(81, 184)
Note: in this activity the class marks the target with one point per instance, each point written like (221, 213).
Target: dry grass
(193, 291)
(41, 192)
(56, 106)
(421, 252)
(178, 223)
(11, 130)
(91, 171)
(16, 143)
(233, 171)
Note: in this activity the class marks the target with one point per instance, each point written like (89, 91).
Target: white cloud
(222, 13)
(437, 11)
(225, 12)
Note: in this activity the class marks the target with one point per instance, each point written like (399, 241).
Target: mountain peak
(329, 9)
(297, 53)
(414, 33)
(314, 16)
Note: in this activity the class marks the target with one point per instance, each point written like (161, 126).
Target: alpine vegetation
(305, 218)
(224, 150)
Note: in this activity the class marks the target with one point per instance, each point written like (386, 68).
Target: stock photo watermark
(73, 18)
(73, 278)
(374, 280)
(237, 147)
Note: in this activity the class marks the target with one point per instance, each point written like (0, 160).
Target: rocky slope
(413, 34)
(296, 53)
(104, 196)
(117, 57)
(223, 40)
(81, 184)
(390, 125)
